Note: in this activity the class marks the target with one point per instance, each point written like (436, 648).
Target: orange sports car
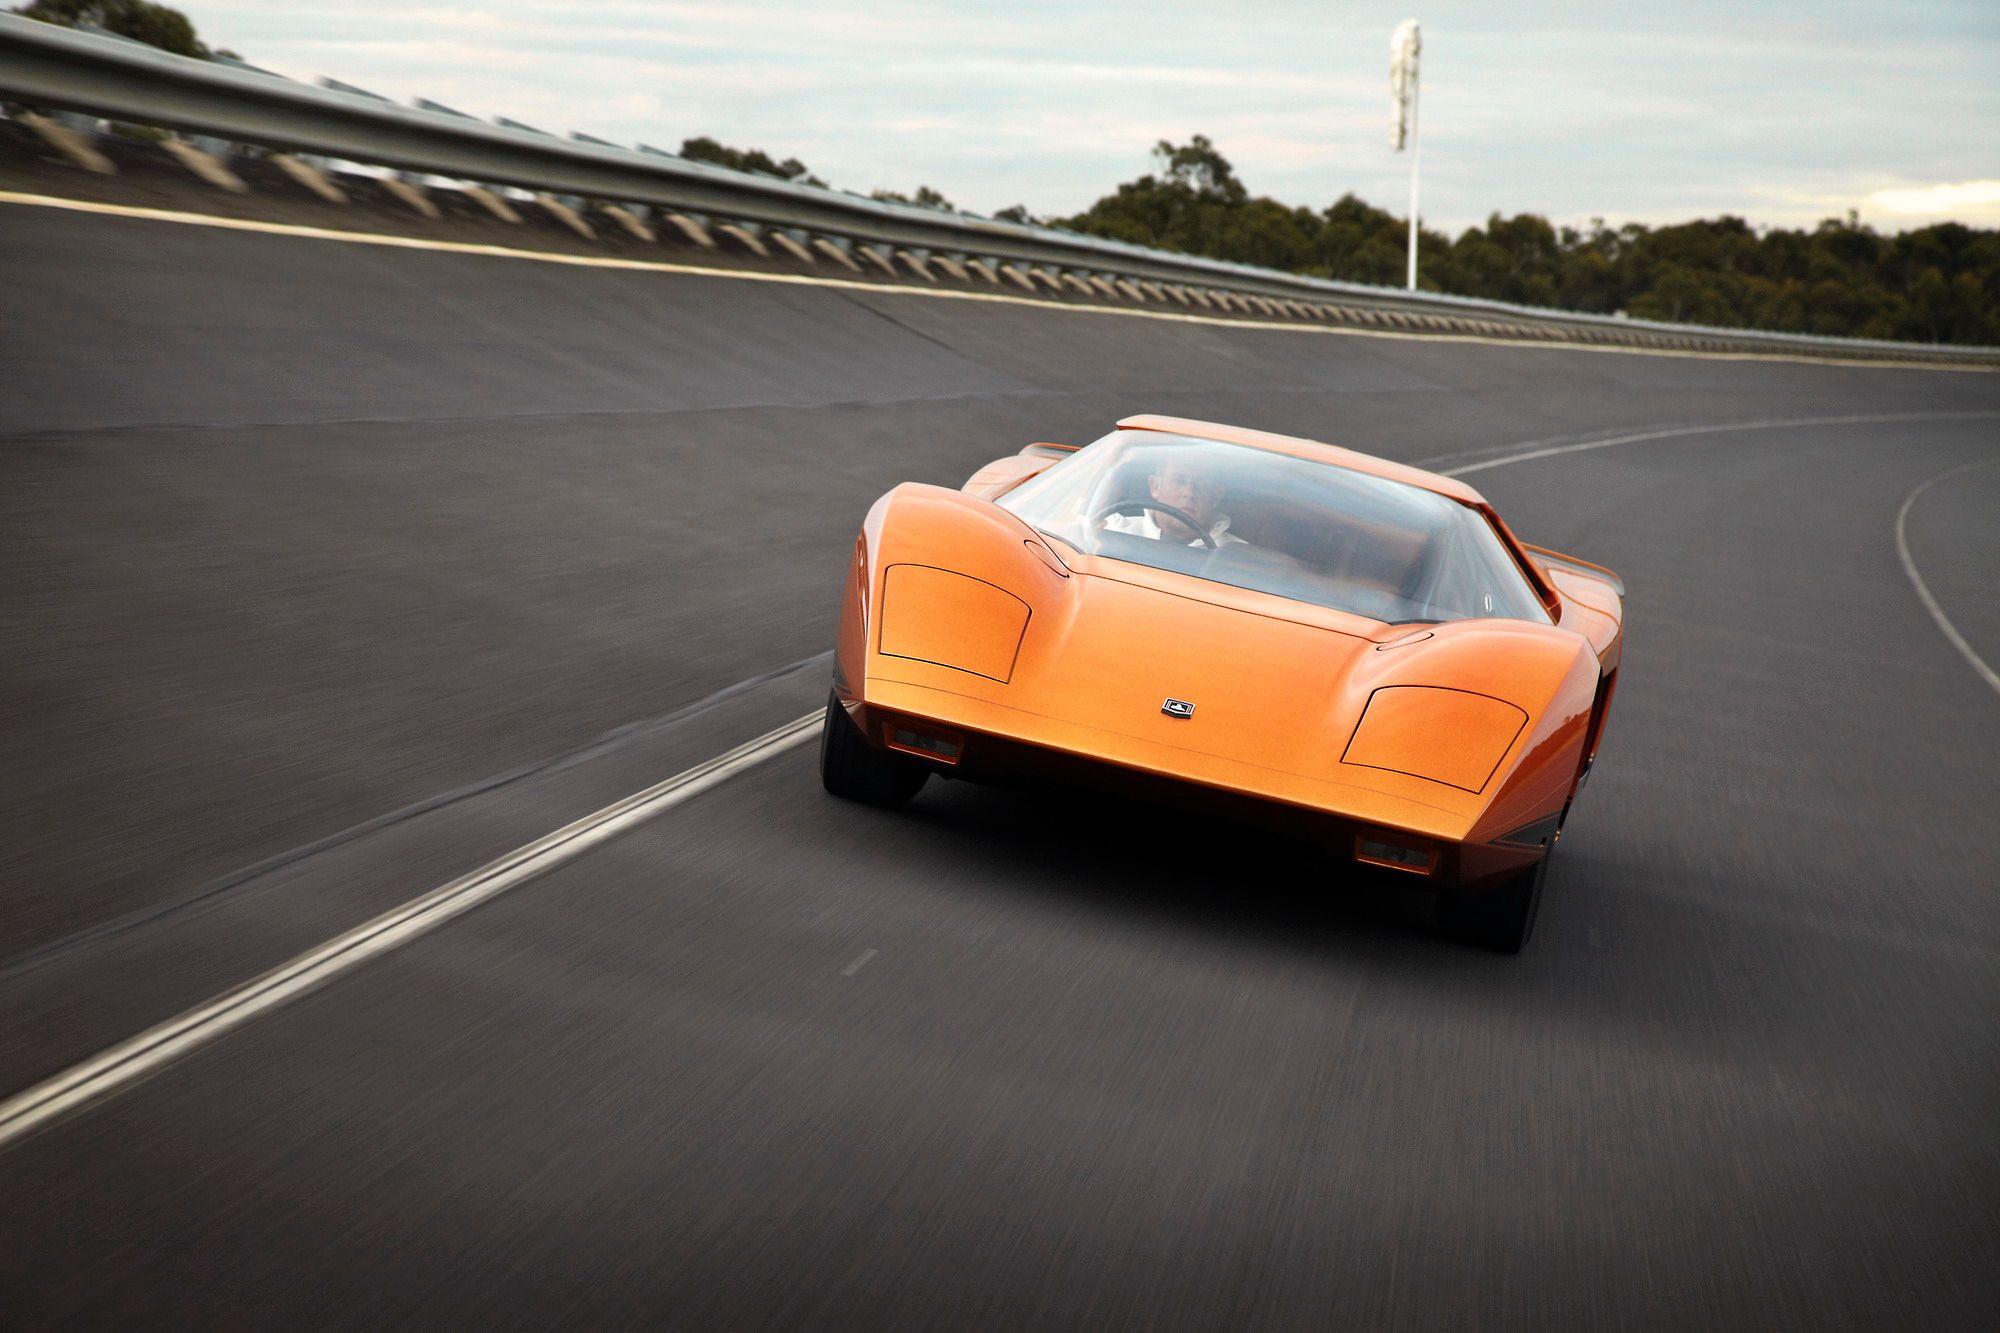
(1265, 622)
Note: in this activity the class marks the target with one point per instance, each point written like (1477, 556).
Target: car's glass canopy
(1292, 527)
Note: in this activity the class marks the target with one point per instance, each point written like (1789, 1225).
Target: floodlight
(1405, 45)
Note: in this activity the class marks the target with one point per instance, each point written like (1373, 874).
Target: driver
(1185, 484)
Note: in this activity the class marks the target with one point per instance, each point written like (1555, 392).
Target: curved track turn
(297, 534)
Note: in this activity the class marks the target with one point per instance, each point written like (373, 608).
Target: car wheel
(1500, 918)
(852, 768)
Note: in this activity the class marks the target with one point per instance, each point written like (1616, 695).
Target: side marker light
(927, 744)
(1394, 855)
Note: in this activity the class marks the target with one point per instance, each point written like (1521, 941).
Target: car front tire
(851, 768)
(1500, 918)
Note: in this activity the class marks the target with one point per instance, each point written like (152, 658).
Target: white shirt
(1142, 525)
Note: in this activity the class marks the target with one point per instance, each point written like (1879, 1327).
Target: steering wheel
(1140, 506)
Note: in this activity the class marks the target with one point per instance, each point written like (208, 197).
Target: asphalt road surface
(332, 573)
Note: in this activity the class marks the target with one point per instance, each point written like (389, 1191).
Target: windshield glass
(1251, 518)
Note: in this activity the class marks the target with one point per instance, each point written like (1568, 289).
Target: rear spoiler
(1004, 474)
(1576, 566)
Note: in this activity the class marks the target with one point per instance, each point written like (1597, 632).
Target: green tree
(1358, 242)
(1682, 294)
(1198, 167)
(705, 149)
(1266, 233)
(140, 20)
(925, 197)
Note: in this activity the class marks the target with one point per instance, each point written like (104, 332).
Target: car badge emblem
(1177, 708)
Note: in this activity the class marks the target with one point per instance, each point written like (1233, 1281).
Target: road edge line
(1951, 634)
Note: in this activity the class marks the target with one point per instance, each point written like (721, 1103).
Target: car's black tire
(852, 768)
(1501, 918)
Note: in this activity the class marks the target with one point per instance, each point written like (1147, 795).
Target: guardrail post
(743, 234)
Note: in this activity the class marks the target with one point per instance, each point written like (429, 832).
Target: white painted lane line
(1435, 462)
(894, 289)
(157, 1047)
(858, 963)
(1677, 432)
(1957, 640)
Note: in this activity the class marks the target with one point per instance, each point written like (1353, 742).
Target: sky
(1653, 111)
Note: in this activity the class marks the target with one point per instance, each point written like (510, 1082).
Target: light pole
(1405, 45)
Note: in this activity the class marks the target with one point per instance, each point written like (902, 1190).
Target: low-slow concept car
(1267, 623)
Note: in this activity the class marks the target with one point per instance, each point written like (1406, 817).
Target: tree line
(1938, 284)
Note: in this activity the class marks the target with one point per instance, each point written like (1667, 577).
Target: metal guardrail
(55, 67)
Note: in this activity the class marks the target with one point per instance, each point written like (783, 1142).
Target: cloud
(1965, 200)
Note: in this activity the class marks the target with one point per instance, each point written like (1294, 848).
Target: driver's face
(1186, 488)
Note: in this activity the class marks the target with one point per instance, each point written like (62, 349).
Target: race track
(333, 573)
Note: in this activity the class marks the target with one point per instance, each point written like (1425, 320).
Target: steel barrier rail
(46, 65)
